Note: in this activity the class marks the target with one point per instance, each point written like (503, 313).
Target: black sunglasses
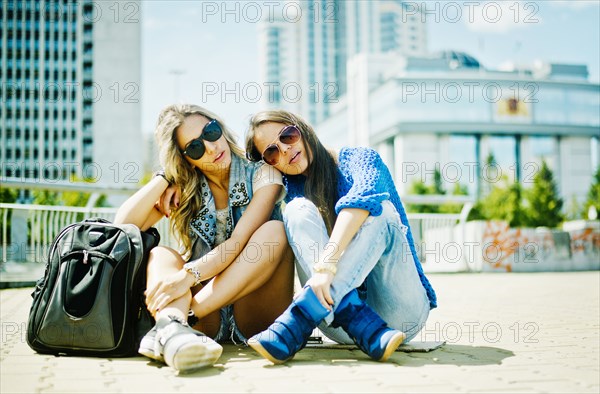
(195, 148)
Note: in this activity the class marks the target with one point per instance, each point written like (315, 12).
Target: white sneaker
(179, 346)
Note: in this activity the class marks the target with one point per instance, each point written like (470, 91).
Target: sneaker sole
(392, 345)
(255, 344)
(147, 349)
(190, 355)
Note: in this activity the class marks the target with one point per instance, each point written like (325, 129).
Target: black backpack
(90, 301)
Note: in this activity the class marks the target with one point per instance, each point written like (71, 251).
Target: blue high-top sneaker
(366, 327)
(290, 332)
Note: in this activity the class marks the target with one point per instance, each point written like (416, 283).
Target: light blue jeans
(378, 253)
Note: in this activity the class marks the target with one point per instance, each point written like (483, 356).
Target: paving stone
(562, 355)
(17, 383)
(69, 384)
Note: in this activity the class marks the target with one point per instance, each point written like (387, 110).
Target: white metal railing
(33, 228)
(423, 225)
(422, 222)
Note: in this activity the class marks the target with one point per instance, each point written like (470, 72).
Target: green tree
(593, 196)
(66, 198)
(438, 184)
(503, 202)
(8, 195)
(450, 207)
(544, 203)
(437, 188)
(491, 171)
(420, 188)
(573, 209)
(481, 209)
(46, 197)
(70, 199)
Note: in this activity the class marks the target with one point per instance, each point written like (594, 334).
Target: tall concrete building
(70, 90)
(304, 53)
(402, 29)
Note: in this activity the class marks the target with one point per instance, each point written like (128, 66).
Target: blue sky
(186, 36)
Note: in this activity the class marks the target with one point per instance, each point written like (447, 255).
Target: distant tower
(304, 57)
(402, 29)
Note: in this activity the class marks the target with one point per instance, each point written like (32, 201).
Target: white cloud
(500, 16)
(574, 4)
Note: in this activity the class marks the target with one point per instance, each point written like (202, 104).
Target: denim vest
(203, 226)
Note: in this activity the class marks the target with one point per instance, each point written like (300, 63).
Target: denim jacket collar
(204, 224)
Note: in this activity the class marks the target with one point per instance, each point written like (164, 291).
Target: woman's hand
(167, 290)
(320, 282)
(169, 198)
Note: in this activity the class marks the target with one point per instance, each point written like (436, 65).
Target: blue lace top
(364, 182)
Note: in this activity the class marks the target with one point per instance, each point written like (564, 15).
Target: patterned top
(245, 178)
(365, 182)
(263, 176)
(222, 216)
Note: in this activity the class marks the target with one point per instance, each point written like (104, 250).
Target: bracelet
(325, 267)
(162, 174)
(191, 268)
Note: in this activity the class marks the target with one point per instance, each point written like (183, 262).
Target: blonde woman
(235, 273)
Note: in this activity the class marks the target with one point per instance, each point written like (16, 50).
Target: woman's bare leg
(259, 309)
(255, 265)
(163, 262)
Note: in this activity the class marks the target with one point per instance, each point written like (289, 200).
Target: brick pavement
(504, 333)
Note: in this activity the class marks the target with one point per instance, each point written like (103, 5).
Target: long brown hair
(322, 173)
(177, 168)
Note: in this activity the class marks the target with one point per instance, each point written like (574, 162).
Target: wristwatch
(161, 173)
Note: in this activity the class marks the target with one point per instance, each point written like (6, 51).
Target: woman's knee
(268, 244)
(298, 208)
(299, 212)
(163, 259)
(388, 218)
(271, 231)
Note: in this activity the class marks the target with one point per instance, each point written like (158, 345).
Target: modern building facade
(402, 29)
(70, 90)
(304, 53)
(445, 111)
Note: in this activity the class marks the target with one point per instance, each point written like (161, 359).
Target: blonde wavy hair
(180, 171)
